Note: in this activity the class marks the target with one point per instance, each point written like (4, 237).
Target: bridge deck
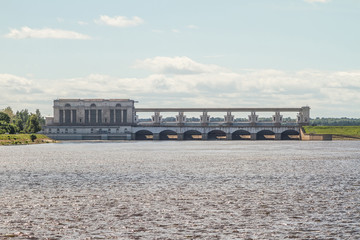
(217, 109)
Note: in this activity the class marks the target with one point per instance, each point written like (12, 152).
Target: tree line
(20, 122)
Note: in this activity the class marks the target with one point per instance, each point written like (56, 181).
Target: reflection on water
(179, 190)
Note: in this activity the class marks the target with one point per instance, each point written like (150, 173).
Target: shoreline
(24, 139)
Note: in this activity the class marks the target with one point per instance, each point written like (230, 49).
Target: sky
(183, 53)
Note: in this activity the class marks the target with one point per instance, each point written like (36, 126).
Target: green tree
(21, 119)
(6, 127)
(4, 117)
(9, 112)
(32, 124)
(40, 118)
(19, 124)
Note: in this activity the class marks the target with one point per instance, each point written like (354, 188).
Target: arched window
(67, 105)
(118, 105)
(93, 105)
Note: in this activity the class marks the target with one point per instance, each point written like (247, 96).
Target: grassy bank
(15, 139)
(338, 132)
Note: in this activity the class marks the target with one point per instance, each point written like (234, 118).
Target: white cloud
(119, 21)
(26, 32)
(317, 1)
(191, 26)
(82, 23)
(176, 65)
(328, 93)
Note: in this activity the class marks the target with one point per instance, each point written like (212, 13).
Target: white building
(77, 117)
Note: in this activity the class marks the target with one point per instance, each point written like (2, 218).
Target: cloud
(191, 26)
(26, 32)
(176, 65)
(327, 93)
(119, 21)
(317, 1)
(82, 23)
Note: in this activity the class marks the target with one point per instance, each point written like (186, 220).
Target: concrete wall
(314, 137)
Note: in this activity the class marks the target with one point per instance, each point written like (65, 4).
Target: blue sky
(233, 53)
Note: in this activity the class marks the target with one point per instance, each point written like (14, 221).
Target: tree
(4, 117)
(6, 127)
(9, 112)
(40, 118)
(32, 124)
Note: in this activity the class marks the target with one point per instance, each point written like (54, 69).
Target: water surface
(179, 190)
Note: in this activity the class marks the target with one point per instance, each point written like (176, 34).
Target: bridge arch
(241, 135)
(144, 135)
(290, 135)
(168, 135)
(265, 135)
(192, 135)
(216, 135)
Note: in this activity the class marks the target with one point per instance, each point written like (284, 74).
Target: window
(61, 116)
(67, 116)
(99, 116)
(118, 116)
(125, 116)
(86, 116)
(92, 116)
(73, 116)
(111, 115)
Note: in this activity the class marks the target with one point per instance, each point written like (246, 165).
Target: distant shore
(23, 139)
(337, 132)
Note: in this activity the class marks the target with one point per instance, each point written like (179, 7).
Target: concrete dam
(117, 119)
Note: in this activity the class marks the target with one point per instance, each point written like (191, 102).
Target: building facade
(82, 117)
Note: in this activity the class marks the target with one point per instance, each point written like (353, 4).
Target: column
(303, 116)
(156, 136)
(156, 118)
(204, 136)
(229, 119)
(253, 136)
(277, 136)
(253, 118)
(277, 119)
(180, 136)
(228, 136)
(181, 118)
(204, 119)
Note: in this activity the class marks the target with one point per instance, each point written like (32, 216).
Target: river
(181, 190)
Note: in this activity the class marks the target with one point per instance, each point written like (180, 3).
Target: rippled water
(181, 190)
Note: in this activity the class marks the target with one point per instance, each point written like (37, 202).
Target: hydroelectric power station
(117, 119)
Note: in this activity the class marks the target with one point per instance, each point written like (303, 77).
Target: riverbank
(21, 139)
(337, 132)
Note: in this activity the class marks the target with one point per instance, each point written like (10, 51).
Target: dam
(117, 119)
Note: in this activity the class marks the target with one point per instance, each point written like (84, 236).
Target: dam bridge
(228, 129)
(117, 119)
